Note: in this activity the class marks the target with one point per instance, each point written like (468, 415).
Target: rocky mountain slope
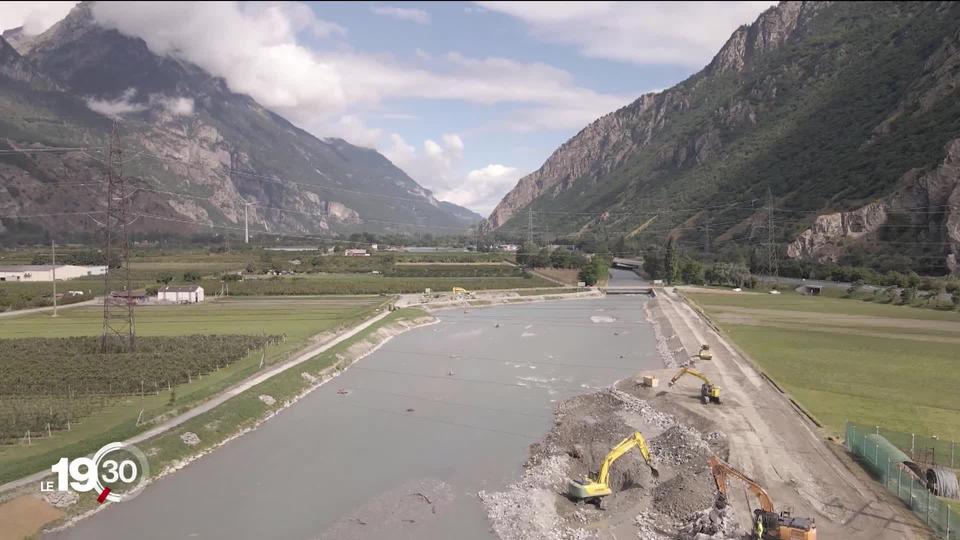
(834, 109)
(197, 152)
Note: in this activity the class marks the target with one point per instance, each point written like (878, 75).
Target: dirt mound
(687, 492)
(680, 445)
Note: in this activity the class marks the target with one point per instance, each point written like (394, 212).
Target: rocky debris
(679, 445)
(685, 493)
(663, 343)
(712, 523)
(631, 403)
(61, 499)
(268, 400)
(650, 525)
(190, 438)
(308, 377)
(527, 508)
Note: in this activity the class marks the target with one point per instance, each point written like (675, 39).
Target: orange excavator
(767, 523)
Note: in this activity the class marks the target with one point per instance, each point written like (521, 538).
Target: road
(20, 312)
(433, 417)
(773, 443)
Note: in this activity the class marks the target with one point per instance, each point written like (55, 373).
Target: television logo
(117, 472)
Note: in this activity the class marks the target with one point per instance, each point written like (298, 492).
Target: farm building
(44, 272)
(180, 294)
(356, 253)
(137, 296)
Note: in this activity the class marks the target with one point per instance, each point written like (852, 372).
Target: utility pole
(772, 264)
(706, 230)
(246, 224)
(53, 269)
(119, 331)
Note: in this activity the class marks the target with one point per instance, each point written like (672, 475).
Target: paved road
(454, 404)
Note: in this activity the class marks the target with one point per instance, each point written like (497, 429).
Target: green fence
(883, 452)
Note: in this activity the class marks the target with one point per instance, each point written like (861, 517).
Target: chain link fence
(895, 459)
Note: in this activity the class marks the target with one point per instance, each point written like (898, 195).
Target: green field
(320, 284)
(872, 364)
(297, 318)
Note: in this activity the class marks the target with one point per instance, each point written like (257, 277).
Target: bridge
(627, 264)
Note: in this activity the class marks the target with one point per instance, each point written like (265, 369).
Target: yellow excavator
(767, 523)
(709, 392)
(461, 290)
(592, 490)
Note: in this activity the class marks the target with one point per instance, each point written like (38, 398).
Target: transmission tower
(119, 331)
(773, 265)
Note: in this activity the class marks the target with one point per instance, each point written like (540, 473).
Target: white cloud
(116, 107)
(256, 50)
(127, 103)
(34, 17)
(437, 167)
(483, 188)
(687, 33)
(418, 16)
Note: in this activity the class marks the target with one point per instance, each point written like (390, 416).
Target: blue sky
(466, 97)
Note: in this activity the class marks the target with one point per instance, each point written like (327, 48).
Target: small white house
(180, 294)
(356, 253)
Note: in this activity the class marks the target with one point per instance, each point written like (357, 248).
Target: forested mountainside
(842, 120)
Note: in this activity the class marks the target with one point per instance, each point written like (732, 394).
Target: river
(455, 404)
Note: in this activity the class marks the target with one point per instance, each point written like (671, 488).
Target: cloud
(418, 16)
(436, 166)
(127, 103)
(484, 188)
(256, 50)
(687, 33)
(34, 17)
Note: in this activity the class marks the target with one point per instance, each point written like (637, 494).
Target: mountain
(846, 114)
(196, 152)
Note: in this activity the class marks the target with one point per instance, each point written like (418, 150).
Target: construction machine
(457, 291)
(709, 392)
(592, 490)
(768, 524)
(704, 353)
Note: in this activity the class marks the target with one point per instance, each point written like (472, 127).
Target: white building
(356, 253)
(44, 272)
(180, 294)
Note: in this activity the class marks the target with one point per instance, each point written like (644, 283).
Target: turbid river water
(433, 417)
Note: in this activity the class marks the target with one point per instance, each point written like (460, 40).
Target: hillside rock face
(198, 153)
(931, 199)
(829, 106)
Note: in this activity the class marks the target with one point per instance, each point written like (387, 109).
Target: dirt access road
(772, 442)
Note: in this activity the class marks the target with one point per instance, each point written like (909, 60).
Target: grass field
(873, 364)
(313, 284)
(297, 318)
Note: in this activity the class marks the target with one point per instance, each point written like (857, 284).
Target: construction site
(716, 465)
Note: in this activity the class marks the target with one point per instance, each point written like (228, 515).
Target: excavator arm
(689, 371)
(720, 472)
(622, 448)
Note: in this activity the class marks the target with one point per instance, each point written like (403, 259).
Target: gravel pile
(685, 493)
(269, 400)
(61, 499)
(712, 523)
(633, 404)
(680, 445)
(527, 509)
